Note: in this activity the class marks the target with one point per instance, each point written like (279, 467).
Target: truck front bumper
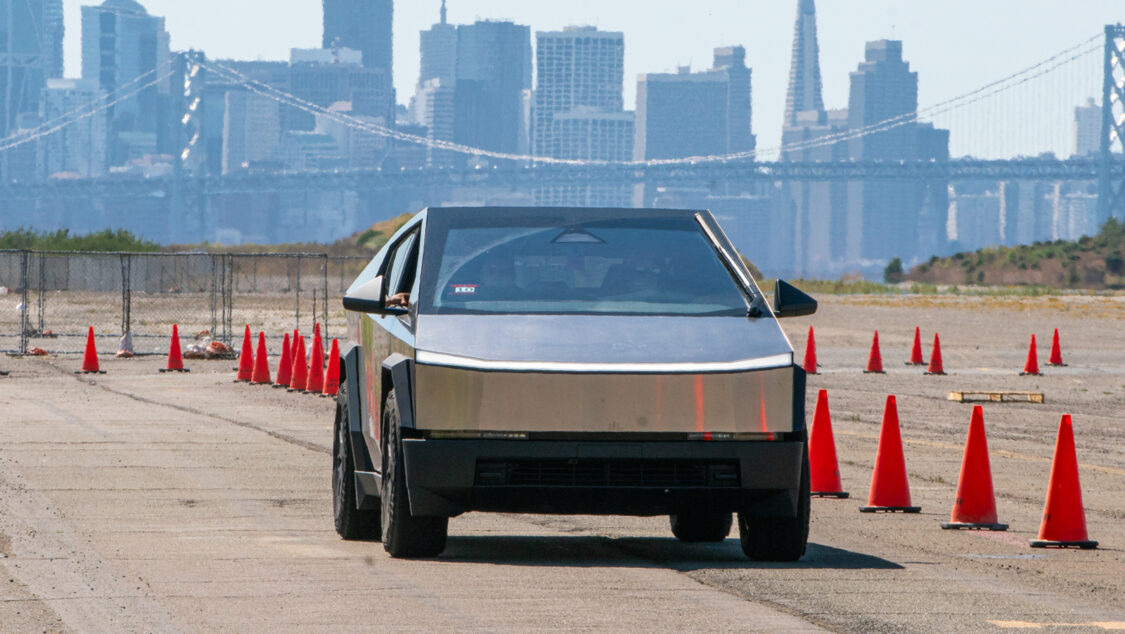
(448, 477)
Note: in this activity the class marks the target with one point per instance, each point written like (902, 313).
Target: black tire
(778, 538)
(702, 526)
(404, 535)
(351, 522)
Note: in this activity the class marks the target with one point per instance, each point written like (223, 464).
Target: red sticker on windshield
(464, 289)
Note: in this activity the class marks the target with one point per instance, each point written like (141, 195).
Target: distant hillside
(363, 243)
(1091, 263)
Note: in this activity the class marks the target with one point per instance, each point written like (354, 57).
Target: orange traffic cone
(935, 358)
(874, 358)
(175, 353)
(300, 368)
(246, 359)
(315, 383)
(890, 492)
(285, 365)
(824, 470)
(1031, 366)
(1056, 351)
(1064, 518)
(975, 505)
(810, 353)
(90, 356)
(916, 350)
(332, 375)
(261, 374)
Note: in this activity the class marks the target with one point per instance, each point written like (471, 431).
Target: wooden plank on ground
(978, 396)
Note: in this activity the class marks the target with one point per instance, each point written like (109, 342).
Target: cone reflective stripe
(1064, 518)
(824, 470)
(975, 504)
(332, 374)
(935, 358)
(890, 491)
(300, 368)
(175, 353)
(246, 359)
(1031, 366)
(810, 353)
(261, 363)
(916, 349)
(874, 358)
(1056, 351)
(90, 356)
(285, 365)
(315, 383)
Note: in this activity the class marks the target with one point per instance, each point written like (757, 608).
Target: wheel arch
(398, 375)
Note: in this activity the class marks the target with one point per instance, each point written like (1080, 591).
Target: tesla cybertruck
(569, 361)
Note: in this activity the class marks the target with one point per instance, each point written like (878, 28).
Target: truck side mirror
(790, 301)
(371, 297)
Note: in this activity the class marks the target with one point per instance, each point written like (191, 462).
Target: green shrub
(61, 240)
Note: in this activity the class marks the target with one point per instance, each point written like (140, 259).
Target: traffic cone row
(935, 366)
(974, 507)
(297, 370)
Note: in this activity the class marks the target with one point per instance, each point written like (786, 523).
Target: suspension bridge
(1006, 106)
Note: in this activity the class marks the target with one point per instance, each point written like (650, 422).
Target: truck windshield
(636, 266)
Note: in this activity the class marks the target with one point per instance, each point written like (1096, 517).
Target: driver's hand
(400, 300)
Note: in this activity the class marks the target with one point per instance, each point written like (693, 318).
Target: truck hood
(602, 343)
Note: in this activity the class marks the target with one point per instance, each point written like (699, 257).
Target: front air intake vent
(608, 473)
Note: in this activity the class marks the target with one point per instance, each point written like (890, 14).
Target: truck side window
(402, 270)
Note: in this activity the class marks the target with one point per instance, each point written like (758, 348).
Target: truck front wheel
(351, 522)
(778, 538)
(403, 534)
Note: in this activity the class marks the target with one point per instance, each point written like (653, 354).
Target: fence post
(324, 294)
(228, 299)
(298, 326)
(126, 293)
(24, 284)
(215, 295)
(42, 290)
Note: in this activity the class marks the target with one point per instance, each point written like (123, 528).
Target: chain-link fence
(50, 299)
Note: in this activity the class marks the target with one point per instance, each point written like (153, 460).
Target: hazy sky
(955, 45)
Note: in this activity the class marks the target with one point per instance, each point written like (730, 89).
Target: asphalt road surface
(135, 501)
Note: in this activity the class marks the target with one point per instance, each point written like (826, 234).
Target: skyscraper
(890, 219)
(493, 70)
(577, 67)
(79, 148)
(695, 114)
(579, 109)
(251, 129)
(804, 71)
(124, 49)
(325, 77)
(811, 225)
(438, 46)
(31, 33)
(362, 25)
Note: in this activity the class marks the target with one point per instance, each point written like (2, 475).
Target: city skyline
(1007, 42)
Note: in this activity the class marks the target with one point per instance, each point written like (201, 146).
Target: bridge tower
(189, 161)
(1111, 191)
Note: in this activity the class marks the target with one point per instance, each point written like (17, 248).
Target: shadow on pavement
(594, 551)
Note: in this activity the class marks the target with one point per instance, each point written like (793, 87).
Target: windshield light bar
(454, 361)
